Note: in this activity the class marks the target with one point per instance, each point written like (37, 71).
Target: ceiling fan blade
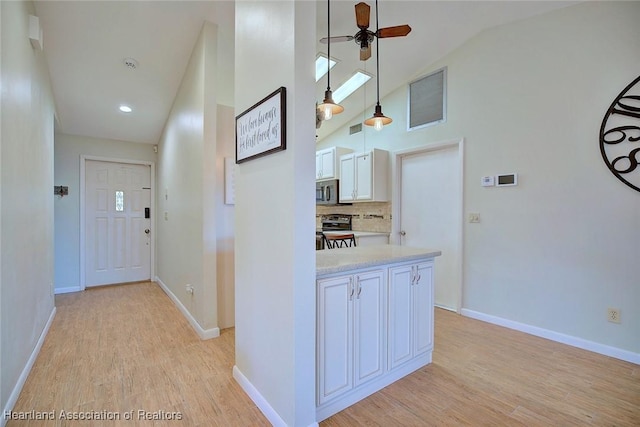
(362, 15)
(365, 54)
(397, 31)
(335, 39)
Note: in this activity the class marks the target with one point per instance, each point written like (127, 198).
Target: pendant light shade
(378, 120)
(328, 106)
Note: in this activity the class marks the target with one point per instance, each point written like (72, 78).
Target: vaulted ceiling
(86, 44)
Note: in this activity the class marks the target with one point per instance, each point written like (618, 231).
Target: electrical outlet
(474, 217)
(613, 315)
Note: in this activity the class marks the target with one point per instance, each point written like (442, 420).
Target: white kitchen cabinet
(327, 162)
(363, 176)
(410, 312)
(374, 324)
(350, 332)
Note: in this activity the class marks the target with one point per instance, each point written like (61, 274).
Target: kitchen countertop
(357, 233)
(347, 259)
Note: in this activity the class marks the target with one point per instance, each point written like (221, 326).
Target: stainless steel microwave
(327, 192)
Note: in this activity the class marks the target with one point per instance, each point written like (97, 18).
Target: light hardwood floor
(127, 348)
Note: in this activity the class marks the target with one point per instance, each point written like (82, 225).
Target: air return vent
(355, 128)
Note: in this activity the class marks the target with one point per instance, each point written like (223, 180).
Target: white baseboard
(15, 393)
(67, 290)
(258, 399)
(204, 334)
(603, 349)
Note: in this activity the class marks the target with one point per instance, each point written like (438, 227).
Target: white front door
(430, 215)
(117, 234)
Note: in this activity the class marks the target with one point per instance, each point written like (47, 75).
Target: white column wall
(275, 257)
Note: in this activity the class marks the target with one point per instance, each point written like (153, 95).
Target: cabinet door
(347, 178)
(369, 339)
(328, 163)
(400, 315)
(423, 308)
(335, 340)
(364, 176)
(318, 165)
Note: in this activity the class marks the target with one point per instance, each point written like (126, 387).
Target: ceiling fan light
(378, 120)
(328, 107)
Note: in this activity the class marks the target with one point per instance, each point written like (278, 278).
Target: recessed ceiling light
(125, 109)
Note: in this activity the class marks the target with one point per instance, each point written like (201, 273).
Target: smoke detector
(130, 63)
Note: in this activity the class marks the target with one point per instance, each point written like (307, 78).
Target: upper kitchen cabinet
(327, 162)
(363, 176)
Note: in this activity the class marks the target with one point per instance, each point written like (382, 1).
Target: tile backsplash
(369, 216)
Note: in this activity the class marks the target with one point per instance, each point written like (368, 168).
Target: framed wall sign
(261, 129)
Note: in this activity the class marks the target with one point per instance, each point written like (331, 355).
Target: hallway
(116, 349)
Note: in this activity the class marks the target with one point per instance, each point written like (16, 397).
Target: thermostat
(507, 179)
(488, 181)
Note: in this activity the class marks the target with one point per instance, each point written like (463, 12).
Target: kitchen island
(374, 320)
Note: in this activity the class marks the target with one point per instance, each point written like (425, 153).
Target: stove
(332, 222)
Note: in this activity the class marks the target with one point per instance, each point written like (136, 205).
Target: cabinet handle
(359, 287)
(413, 275)
(351, 289)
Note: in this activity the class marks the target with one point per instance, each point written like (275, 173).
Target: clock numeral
(633, 161)
(622, 131)
(628, 109)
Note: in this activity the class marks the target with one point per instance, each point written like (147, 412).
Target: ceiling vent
(355, 128)
(130, 63)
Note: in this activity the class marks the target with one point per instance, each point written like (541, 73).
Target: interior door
(117, 223)
(430, 215)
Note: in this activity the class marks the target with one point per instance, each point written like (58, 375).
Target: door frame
(83, 177)
(396, 184)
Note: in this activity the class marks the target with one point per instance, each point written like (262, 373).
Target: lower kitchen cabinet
(410, 312)
(350, 332)
(374, 326)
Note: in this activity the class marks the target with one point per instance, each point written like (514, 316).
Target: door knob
(147, 231)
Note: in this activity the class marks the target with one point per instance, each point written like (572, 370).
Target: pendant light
(328, 107)
(378, 120)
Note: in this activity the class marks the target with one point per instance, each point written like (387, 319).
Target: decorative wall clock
(620, 136)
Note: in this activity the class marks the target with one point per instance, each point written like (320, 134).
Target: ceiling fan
(364, 36)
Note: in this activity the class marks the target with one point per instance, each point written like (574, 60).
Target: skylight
(350, 86)
(321, 66)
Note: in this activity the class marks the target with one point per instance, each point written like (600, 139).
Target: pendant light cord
(329, 44)
(377, 58)
(364, 117)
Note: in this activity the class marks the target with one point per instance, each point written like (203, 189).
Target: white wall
(225, 220)
(275, 223)
(186, 190)
(67, 152)
(529, 97)
(26, 178)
